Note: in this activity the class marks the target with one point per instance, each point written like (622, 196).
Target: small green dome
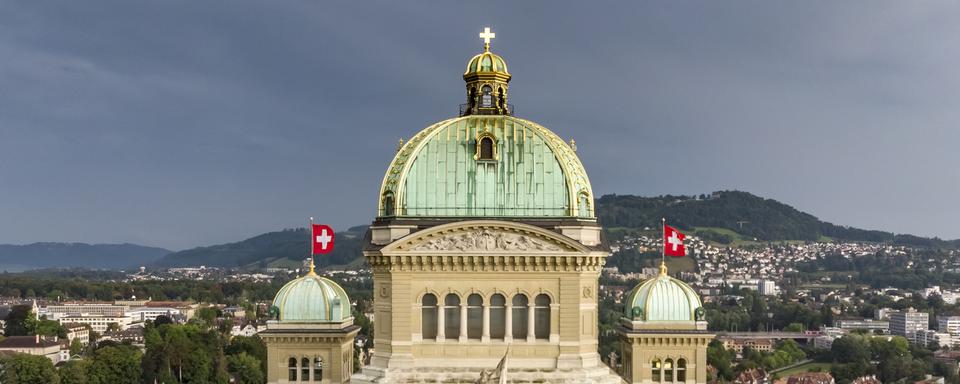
(312, 299)
(486, 62)
(662, 298)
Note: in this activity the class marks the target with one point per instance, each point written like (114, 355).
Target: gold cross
(486, 35)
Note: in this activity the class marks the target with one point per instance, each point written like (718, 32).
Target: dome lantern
(487, 81)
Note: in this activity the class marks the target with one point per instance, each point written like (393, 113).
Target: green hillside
(735, 216)
(717, 218)
(273, 249)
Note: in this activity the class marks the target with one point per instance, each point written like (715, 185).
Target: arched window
(292, 368)
(500, 98)
(388, 204)
(681, 370)
(520, 315)
(668, 370)
(655, 369)
(317, 369)
(305, 369)
(498, 317)
(474, 316)
(583, 205)
(486, 97)
(451, 316)
(428, 319)
(541, 319)
(486, 149)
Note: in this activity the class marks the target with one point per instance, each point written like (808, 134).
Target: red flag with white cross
(322, 239)
(673, 242)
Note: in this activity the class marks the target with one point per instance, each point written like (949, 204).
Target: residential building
(33, 345)
(860, 323)
(100, 324)
(910, 324)
(77, 331)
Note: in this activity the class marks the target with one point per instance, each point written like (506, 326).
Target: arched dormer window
(486, 97)
(486, 147)
(388, 205)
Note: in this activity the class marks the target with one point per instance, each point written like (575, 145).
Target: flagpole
(310, 243)
(663, 241)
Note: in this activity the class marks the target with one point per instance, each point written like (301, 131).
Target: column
(463, 321)
(531, 335)
(486, 323)
(508, 335)
(441, 323)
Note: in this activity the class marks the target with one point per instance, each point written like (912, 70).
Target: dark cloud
(185, 123)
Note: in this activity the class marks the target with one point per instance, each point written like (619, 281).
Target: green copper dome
(312, 299)
(486, 166)
(663, 298)
(486, 62)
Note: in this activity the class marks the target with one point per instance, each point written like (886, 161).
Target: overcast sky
(187, 123)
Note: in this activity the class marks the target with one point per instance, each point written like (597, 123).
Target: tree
(245, 369)
(115, 365)
(76, 347)
(20, 321)
(851, 349)
(22, 368)
(74, 372)
(720, 358)
(161, 320)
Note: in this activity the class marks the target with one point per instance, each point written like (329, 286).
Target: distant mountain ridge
(741, 212)
(71, 255)
(287, 247)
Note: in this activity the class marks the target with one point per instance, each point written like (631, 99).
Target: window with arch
(520, 315)
(486, 97)
(474, 316)
(305, 369)
(428, 318)
(583, 205)
(292, 369)
(541, 316)
(500, 98)
(451, 316)
(317, 369)
(681, 370)
(655, 367)
(486, 148)
(388, 204)
(668, 370)
(498, 316)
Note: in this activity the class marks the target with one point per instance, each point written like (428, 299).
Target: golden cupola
(487, 82)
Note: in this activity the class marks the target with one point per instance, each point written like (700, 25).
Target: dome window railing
(467, 109)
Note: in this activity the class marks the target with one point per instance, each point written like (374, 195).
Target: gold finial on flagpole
(310, 231)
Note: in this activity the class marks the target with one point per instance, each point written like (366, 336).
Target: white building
(767, 287)
(910, 324)
(144, 314)
(98, 324)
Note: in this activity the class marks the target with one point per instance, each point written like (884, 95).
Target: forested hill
(67, 255)
(282, 248)
(747, 214)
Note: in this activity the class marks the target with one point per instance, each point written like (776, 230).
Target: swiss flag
(673, 242)
(322, 239)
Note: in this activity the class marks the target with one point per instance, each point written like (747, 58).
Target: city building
(664, 333)
(486, 245)
(55, 312)
(767, 288)
(99, 324)
(950, 325)
(33, 345)
(910, 324)
(810, 378)
(871, 325)
(311, 337)
(77, 331)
